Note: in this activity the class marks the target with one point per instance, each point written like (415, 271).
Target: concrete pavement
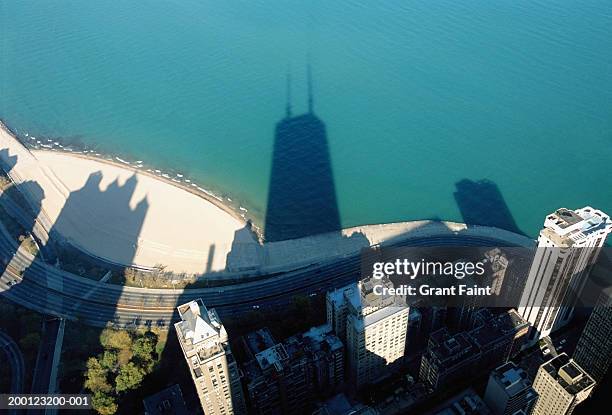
(49, 290)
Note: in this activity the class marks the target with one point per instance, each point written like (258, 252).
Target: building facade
(213, 368)
(594, 349)
(509, 391)
(561, 385)
(285, 377)
(374, 327)
(568, 246)
(493, 341)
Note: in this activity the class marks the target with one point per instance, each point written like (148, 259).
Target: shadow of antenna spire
(288, 105)
(310, 93)
(301, 194)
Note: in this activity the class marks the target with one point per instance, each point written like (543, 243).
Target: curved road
(15, 359)
(44, 288)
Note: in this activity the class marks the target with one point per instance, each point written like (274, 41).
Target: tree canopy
(127, 358)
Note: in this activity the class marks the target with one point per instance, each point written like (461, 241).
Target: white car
(545, 351)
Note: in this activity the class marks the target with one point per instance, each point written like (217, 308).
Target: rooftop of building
(466, 402)
(272, 356)
(258, 340)
(312, 344)
(200, 327)
(568, 374)
(360, 297)
(339, 296)
(496, 328)
(511, 378)
(453, 349)
(449, 350)
(566, 226)
(321, 338)
(165, 402)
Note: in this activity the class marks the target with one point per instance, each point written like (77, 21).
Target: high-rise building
(447, 358)
(374, 328)
(493, 341)
(212, 366)
(509, 392)
(594, 349)
(568, 246)
(284, 377)
(414, 336)
(499, 266)
(561, 385)
(337, 309)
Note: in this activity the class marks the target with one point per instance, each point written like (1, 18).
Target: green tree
(96, 377)
(108, 360)
(115, 339)
(119, 340)
(129, 377)
(144, 348)
(104, 404)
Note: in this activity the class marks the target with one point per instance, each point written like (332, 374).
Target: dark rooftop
(167, 401)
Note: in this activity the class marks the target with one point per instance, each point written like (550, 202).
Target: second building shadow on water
(482, 203)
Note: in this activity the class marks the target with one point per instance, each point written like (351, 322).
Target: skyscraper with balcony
(561, 385)
(213, 368)
(568, 246)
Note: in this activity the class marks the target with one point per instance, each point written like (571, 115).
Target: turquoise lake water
(415, 96)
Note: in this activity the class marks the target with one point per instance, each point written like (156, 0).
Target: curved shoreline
(144, 169)
(120, 213)
(201, 194)
(244, 255)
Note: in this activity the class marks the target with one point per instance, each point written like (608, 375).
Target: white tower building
(209, 357)
(568, 246)
(372, 326)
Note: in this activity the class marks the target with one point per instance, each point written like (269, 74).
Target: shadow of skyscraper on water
(301, 195)
(481, 203)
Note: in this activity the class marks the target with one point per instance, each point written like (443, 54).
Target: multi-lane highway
(44, 288)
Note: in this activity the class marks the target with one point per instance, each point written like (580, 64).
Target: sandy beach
(129, 216)
(121, 214)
